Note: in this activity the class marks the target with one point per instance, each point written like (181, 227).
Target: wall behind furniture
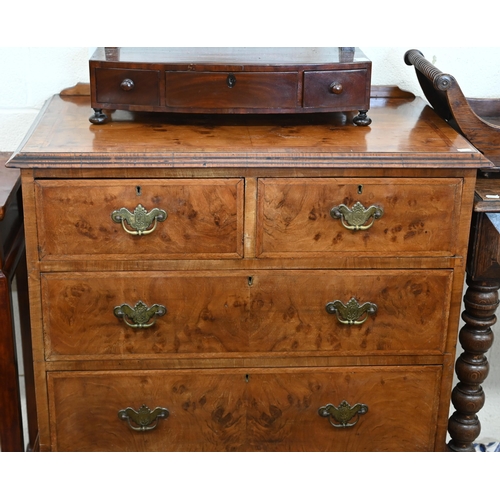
(30, 75)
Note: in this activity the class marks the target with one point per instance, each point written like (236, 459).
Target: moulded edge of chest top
(300, 162)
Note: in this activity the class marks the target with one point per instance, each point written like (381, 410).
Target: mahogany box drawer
(318, 217)
(171, 219)
(300, 409)
(261, 313)
(133, 87)
(338, 90)
(225, 90)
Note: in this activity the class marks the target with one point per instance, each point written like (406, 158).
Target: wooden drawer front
(340, 90)
(204, 218)
(420, 217)
(127, 86)
(237, 410)
(218, 90)
(222, 312)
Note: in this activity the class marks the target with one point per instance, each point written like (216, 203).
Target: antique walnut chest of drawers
(242, 283)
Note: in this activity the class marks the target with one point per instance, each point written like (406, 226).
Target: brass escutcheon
(140, 315)
(352, 313)
(144, 418)
(357, 217)
(343, 415)
(140, 221)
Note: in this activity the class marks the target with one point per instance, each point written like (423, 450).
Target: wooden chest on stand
(273, 283)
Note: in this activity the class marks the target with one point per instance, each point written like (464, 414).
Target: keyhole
(138, 190)
(231, 81)
(247, 378)
(360, 189)
(250, 280)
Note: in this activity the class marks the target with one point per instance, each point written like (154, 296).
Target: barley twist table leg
(476, 338)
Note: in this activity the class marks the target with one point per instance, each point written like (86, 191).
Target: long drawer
(327, 409)
(141, 219)
(144, 314)
(214, 90)
(320, 217)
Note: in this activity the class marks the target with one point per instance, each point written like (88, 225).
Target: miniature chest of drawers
(243, 283)
(231, 80)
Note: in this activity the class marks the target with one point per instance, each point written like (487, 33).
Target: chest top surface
(404, 132)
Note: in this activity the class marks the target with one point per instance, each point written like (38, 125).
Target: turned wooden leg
(362, 120)
(476, 338)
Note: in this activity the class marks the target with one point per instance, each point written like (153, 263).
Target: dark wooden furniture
(232, 282)
(476, 119)
(13, 265)
(479, 121)
(230, 80)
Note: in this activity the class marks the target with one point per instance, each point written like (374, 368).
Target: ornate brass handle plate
(144, 418)
(358, 217)
(140, 316)
(141, 221)
(344, 414)
(352, 313)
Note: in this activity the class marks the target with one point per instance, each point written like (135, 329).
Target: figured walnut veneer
(244, 267)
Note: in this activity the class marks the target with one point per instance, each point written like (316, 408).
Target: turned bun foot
(98, 117)
(361, 120)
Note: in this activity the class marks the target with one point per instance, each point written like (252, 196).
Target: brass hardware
(351, 313)
(336, 88)
(141, 220)
(343, 414)
(127, 85)
(140, 314)
(143, 417)
(357, 217)
(231, 81)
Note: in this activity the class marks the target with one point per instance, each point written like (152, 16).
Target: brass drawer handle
(140, 315)
(343, 415)
(356, 218)
(144, 418)
(352, 313)
(140, 221)
(127, 85)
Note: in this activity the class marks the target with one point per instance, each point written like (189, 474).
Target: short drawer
(140, 219)
(225, 90)
(339, 90)
(260, 313)
(384, 409)
(127, 86)
(320, 217)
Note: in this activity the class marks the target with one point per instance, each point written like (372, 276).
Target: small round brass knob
(127, 84)
(336, 88)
